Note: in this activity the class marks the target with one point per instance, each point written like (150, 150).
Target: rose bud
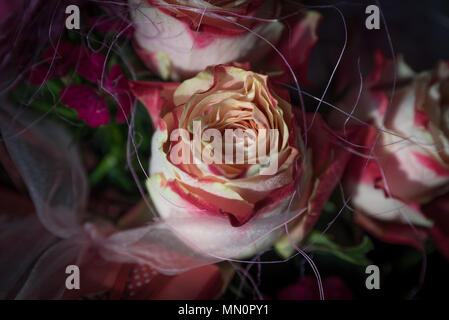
(221, 205)
(177, 39)
(409, 163)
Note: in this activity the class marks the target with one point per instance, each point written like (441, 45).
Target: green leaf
(106, 164)
(355, 255)
(119, 177)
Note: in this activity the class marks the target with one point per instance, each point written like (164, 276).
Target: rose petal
(157, 97)
(392, 232)
(296, 46)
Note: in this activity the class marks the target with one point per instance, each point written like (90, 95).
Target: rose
(232, 210)
(409, 163)
(177, 38)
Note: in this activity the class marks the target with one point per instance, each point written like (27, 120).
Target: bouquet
(177, 149)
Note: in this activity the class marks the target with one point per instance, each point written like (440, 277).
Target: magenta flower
(90, 65)
(307, 289)
(90, 103)
(91, 107)
(58, 61)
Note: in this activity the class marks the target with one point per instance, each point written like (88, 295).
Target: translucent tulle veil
(36, 249)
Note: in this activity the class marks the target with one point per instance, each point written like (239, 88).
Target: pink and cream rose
(407, 159)
(179, 38)
(235, 210)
